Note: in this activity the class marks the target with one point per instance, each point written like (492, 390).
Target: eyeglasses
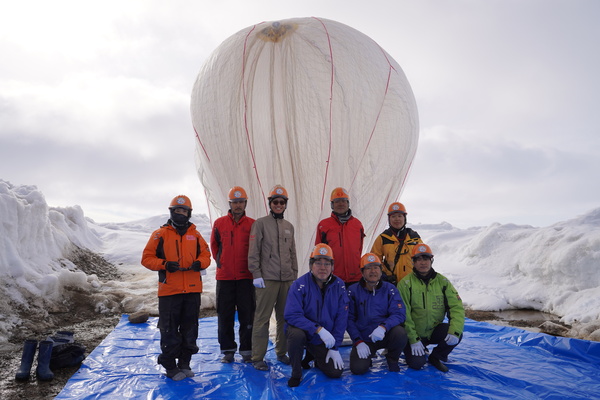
(278, 202)
(323, 263)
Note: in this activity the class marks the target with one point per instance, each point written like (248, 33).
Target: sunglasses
(278, 202)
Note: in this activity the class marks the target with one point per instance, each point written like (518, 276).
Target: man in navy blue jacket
(316, 314)
(375, 319)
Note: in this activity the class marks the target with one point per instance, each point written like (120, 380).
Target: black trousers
(178, 323)
(297, 342)
(440, 351)
(235, 295)
(394, 341)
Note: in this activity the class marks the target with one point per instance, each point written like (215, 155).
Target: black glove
(196, 266)
(172, 266)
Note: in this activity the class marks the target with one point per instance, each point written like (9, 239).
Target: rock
(552, 328)
(138, 317)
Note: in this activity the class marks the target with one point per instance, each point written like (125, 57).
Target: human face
(422, 264)
(278, 205)
(237, 206)
(341, 206)
(397, 220)
(372, 273)
(321, 269)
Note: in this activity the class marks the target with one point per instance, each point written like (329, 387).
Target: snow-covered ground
(555, 269)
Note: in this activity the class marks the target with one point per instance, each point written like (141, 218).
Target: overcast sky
(95, 100)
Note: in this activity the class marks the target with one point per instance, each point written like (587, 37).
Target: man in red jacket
(179, 253)
(344, 234)
(235, 290)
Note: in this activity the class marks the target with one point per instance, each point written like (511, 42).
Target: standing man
(394, 245)
(429, 297)
(316, 314)
(178, 252)
(273, 264)
(375, 320)
(229, 243)
(344, 234)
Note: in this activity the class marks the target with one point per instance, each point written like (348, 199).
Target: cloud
(94, 109)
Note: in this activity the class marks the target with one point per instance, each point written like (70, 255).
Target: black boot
(24, 371)
(43, 371)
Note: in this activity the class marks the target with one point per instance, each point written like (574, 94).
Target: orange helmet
(369, 259)
(339, 193)
(396, 208)
(322, 251)
(181, 201)
(237, 193)
(278, 191)
(422, 250)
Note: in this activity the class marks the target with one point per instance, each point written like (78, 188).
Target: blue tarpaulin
(492, 362)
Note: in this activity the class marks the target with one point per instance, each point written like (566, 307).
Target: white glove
(451, 340)
(417, 349)
(334, 355)
(363, 350)
(259, 283)
(377, 334)
(203, 272)
(327, 338)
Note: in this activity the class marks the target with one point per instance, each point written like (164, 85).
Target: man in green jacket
(429, 297)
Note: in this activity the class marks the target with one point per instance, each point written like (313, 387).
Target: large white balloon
(310, 104)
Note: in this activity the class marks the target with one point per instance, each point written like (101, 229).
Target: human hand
(196, 266)
(417, 349)
(326, 337)
(377, 334)
(335, 356)
(203, 272)
(451, 340)
(172, 266)
(363, 350)
(259, 283)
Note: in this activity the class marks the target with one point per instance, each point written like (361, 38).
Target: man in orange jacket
(345, 234)
(179, 253)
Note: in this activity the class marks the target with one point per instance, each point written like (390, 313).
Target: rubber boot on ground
(29, 348)
(43, 371)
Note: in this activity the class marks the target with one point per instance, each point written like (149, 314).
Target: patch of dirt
(526, 319)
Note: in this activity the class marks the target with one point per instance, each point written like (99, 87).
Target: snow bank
(35, 242)
(555, 269)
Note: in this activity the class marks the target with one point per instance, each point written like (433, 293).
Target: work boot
(175, 374)
(227, 358)
(437, 363)
(186, 369)
(247, 358)
(261, 365)
(24, 371)
(43, 371)
(284, 359)
(393, 365)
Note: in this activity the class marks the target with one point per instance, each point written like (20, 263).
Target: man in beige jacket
(273, 264)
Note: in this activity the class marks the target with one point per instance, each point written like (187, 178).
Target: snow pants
(394, 341)
(440, 351)
(178, 323)
(297, 341)
(235, 295)
(273, 296)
